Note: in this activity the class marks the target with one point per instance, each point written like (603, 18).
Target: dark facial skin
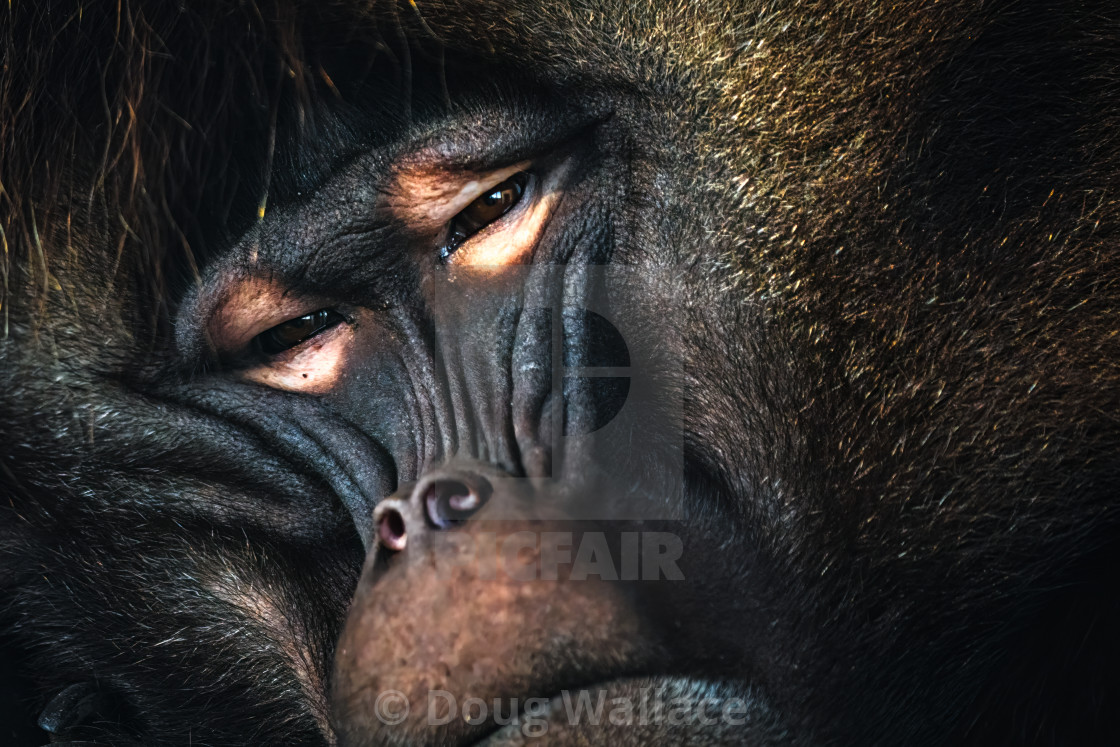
(337, 338)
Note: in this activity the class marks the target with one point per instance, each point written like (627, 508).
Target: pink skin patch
(255, 305)
(315, 366)
(431, 199)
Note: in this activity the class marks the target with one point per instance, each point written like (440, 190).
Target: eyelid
(511, 238)
(327, 318)
(312, 367)
(250, 307)
(452, 244)
(430, 198)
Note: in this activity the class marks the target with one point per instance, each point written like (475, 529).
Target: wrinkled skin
(823, 295)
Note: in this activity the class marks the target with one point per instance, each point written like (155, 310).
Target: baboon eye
(486, 208)
(295, 331)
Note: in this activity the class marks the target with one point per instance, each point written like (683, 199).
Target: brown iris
(294, 331)
(486, 208)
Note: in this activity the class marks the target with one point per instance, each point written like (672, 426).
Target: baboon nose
(442, 499)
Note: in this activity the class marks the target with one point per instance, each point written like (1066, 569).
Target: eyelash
(270, 343)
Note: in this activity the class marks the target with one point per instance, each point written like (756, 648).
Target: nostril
(391, 530)
(448, 502)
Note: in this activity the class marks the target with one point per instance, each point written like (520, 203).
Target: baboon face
(464, 373)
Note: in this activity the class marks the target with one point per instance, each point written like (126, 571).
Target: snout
(472, 591)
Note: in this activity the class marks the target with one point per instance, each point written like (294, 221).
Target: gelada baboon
(414, 373)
